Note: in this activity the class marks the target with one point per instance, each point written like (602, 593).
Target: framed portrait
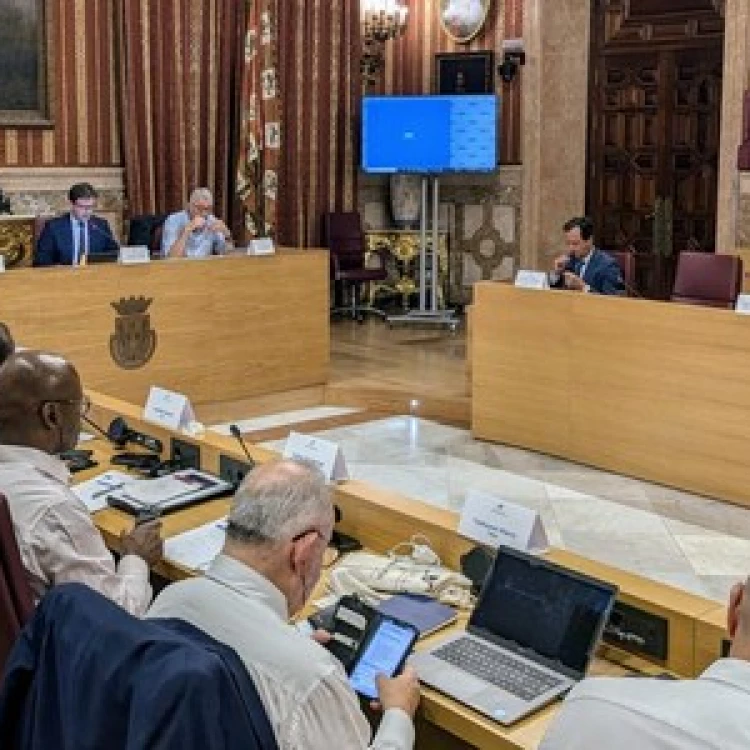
(24, 93)
(465, 72)
(462, 20)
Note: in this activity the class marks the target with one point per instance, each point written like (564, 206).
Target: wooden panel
(226, 328)
(653, 390)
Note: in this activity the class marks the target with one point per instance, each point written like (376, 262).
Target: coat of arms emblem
(134, 341)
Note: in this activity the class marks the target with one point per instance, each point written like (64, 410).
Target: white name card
(261, 246)
(532, 279)
(2, 263)
(490, 520)
(169, 409)
(742, 305)
(133, 254)
(326, 455)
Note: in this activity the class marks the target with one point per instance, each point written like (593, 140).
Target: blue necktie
(81, 241)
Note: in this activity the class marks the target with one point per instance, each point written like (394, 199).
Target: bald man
(41, 405)
(7, 345)
(708, 713)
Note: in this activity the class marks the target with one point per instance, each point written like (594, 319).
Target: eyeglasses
(84, 403)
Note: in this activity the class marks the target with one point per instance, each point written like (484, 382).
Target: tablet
(384, 652)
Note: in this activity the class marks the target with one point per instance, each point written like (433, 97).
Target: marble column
(555, 123)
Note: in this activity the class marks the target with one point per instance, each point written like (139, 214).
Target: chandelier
(381, 20)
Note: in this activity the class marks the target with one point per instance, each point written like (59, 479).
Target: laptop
(528, 641)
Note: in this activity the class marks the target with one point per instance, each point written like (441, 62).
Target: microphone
(120, 434)
(237, 435)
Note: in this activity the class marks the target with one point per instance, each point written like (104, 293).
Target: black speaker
(465, 72)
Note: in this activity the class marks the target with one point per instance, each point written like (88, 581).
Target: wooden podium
(215, 329)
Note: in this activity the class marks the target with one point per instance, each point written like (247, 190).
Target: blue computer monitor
(429, 134)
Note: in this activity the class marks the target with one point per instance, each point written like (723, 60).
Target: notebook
(528, 641)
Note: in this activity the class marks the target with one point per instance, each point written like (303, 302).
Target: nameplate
(261, 246)
(168, 409)
(2, 263)
(134, 254)
(490, 520)
(532, 279)
(743, 304)
(326, 455)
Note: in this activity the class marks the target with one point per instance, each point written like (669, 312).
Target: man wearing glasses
(195, 232)
(40, 417)
(279, 526)
(74, 237)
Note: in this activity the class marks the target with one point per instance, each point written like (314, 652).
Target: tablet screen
(383, 654)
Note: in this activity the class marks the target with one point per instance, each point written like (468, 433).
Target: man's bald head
(40, 401)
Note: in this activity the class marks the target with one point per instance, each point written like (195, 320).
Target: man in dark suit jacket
(70, 239)
(585, 268)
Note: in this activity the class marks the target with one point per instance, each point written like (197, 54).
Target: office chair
(707, 279)
(626, 260)
(343, 235)
(147, 230)
(85, 668)
(16, 599)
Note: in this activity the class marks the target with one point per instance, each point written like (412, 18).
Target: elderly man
(279, 526)
(585, 268)
(195, 232)
(707, 713)
(7, 345)
(41, 404)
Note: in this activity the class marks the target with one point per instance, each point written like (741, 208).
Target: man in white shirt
(195, 232)
(708, 713)
(279, 526)
(41, 404)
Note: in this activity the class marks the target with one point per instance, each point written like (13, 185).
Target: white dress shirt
(708, 713)
(56, 536)
(303, 687)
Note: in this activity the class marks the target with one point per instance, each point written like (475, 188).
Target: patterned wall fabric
(319, 47)
(260, 133)
(82, 76)
(410, 60)
(179, 100)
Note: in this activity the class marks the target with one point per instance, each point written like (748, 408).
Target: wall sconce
(381, 20)
(513, 56)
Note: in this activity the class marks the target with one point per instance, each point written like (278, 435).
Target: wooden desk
(381, 518)
(225, 328)
(649, 389)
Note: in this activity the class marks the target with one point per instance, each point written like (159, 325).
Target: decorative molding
(54, 179)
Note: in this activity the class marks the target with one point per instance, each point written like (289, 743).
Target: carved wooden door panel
(654, 135)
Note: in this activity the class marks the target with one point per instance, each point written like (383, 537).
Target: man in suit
(585, 268)
(70, 239)
(7, 344)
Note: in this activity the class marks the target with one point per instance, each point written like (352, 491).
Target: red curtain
(318, 61)
(179, 100)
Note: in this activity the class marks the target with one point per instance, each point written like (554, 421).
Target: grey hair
(277, 501)
(201, 194)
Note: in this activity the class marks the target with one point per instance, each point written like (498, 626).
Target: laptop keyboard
(497, 667)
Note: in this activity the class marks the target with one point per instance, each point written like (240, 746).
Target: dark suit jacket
(85, 673)
(55, 245)
(602, 273)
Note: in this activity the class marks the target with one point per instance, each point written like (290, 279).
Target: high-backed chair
(16, 599)
(84, 668)
(626, 260)
(343, 235)
(707, 279)
(147, 230)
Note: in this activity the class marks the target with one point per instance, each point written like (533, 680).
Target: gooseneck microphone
(120, 434)
(237, 435)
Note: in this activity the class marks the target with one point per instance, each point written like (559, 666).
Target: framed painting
(465, 72)
(462, 20)
(24, 93)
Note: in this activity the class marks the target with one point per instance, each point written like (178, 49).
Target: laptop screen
(541, 606)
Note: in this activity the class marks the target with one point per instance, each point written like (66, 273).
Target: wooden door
(654, 131)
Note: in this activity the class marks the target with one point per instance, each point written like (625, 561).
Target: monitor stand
(428, 314)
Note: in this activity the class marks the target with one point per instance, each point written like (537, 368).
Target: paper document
(94, 491)
(195, 549)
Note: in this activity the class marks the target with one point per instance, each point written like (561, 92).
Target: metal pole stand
(431, 315)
